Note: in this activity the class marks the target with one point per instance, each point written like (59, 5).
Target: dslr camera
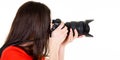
(82, 27)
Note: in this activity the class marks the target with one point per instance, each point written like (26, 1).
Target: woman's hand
(59, 34)
(70, 37)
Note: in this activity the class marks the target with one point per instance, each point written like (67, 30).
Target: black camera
(82, 27)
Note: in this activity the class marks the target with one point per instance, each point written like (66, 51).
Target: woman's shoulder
(14, 49)
(14, 53)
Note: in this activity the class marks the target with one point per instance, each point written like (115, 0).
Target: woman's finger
(70, 35)
(64, 29)
(80, 36)
(76, 33)
(60, 26)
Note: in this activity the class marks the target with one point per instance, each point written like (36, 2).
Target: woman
(29, 36)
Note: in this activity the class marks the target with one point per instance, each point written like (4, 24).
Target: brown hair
(31, 20)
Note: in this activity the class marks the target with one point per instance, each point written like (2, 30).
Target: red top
(14, 53)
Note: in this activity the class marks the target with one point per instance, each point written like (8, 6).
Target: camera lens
(82, 27)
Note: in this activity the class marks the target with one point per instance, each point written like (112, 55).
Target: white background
(105, 45)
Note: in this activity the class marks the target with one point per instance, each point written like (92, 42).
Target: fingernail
(74, 29)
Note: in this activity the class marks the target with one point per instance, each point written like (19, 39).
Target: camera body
(82, 27)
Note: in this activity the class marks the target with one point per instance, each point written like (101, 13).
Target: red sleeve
(14, 53)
